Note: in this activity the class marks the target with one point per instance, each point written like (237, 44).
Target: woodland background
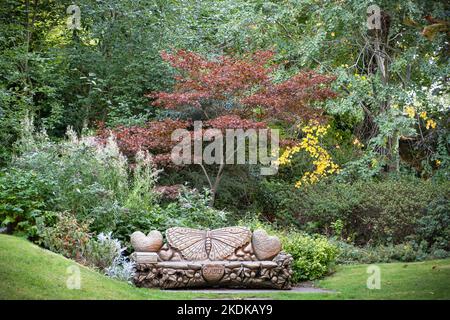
(86, 117)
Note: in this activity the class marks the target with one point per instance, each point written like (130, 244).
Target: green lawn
(29, 272)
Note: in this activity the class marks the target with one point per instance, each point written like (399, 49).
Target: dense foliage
(366, 211)
(93, 182)
(87, 116)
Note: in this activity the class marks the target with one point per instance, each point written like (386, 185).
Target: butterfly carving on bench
(214, 244)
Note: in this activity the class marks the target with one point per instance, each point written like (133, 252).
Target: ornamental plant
(228, 92)
(207, 84)
(102, 250)
(67, 236)
(314, 256)
(155, 137)
(231, 84)
(323, 164)
(232, 92)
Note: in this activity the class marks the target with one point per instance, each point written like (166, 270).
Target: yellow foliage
(410, 111)
(423, 115)
(358, 143)
(430, 124)
(322, 161)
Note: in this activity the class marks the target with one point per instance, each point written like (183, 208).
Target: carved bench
(228, 257)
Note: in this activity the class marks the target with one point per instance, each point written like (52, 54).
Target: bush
(372, 211)
(190, 209)
(434, 225)
(142, 194)
(314, 256)
(121, 269)
(278, 201)
(235, 193)
(79, 175)
(193, 210)
(23, 198)
(103, 250)
(94, 181)
(405, 252)
(83, 177)
(106, 253)
(67, 237)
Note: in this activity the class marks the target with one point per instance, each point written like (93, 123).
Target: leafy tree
(379, 72)
(227, 85)
(230, 84)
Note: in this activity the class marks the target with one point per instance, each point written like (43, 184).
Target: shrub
(191, 209)
(23, 198)
(371, 211)
(106, 253)
(103, 250)
(235, 193)
(86, 178)
(349, 253)
(405, 252)
(314, 256)
(79, 175)
(122, 269)
(434, 225)
(94, 181)
(278, 201)
(142, 193)
(67, 237)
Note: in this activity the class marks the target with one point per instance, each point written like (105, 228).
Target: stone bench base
(273, 274)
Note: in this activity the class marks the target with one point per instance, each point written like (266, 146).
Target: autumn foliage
(234, 122)
(203, 81)
(293, 100)
(155, 136)
(226, 90)
(237, 85)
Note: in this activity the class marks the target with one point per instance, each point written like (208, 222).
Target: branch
(207, 176)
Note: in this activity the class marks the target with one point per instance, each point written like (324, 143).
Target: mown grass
(30, 272)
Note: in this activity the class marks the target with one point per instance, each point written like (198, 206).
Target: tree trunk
(382, 58)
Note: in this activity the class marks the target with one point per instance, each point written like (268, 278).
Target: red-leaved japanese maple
(205, 84)
(225, 90)
(154, 137)
(236, 85)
